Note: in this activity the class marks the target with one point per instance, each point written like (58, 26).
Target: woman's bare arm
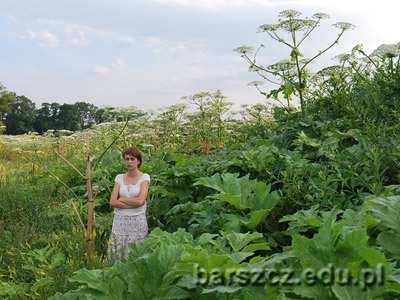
(114, 202)
(140, 199)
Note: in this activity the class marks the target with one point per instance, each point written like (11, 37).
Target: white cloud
(58, 33)
(44, 38)
(106, 70)
(118, 64)
(126, 40)
(102, 70)
(77, 35)
(72, 35)
(218, 3)
(152, 40)
(340, 4)
(161, 45)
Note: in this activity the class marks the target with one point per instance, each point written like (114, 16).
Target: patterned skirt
(125, 229)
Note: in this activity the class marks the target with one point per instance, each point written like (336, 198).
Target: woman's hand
(115, 203)
(140, 199)
(114, 196)
(129, 202)
(120, 204)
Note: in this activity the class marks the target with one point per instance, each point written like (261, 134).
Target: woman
(129, 201)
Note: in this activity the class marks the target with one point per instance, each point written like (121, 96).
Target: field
(282, 191)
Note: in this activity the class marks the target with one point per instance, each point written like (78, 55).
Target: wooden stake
(206, 147)
(90, 237)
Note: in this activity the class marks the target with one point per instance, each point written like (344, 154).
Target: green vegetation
(19, 115)
(279, 188)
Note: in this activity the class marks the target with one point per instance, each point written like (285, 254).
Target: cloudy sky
(150, 53)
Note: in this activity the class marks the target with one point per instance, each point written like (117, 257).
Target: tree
(44, 119)
(103, 115)
(7, 98)
(290, 75)
(87, 114)
(68, 117)
(22, 116)
(55, 110)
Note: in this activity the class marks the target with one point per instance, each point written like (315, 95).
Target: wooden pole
(90, 237)
(206, 147)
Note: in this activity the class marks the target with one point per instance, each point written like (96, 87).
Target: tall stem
(299, 70)
(90, 214)
(300, 87)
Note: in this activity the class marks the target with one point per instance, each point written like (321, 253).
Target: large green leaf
(352, 292)
(92, 278)
(387, 211)
(252, 197)
(341, 244)
(224, 183)
(391, 242)
(303, 220)
(254, 218)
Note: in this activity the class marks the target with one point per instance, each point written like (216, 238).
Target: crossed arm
(129, 202)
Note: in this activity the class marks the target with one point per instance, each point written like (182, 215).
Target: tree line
(19, 115)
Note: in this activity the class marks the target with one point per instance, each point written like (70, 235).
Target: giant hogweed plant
(290, 75)
(253, 199)
(170, 261)
(357, 65)
(207, 123)
(386, 210)
(342, 241)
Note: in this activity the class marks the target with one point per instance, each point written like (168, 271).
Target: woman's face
(131, 162)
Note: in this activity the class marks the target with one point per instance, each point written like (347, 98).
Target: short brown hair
(133, 151)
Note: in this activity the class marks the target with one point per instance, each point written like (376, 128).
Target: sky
(151, 53)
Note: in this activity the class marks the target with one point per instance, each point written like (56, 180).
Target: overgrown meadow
(270, 187)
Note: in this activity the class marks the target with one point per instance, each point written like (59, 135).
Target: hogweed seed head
(255, 83)
(268, 27)
(387, 51)
(357, 48)
(243, 49)
(320, 16)
(289, 13)
(344, 25)
(343, 57)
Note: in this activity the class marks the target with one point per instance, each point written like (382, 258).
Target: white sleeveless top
(130, 190)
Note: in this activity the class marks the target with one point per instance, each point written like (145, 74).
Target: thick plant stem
(300, 87)
(90, 236)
